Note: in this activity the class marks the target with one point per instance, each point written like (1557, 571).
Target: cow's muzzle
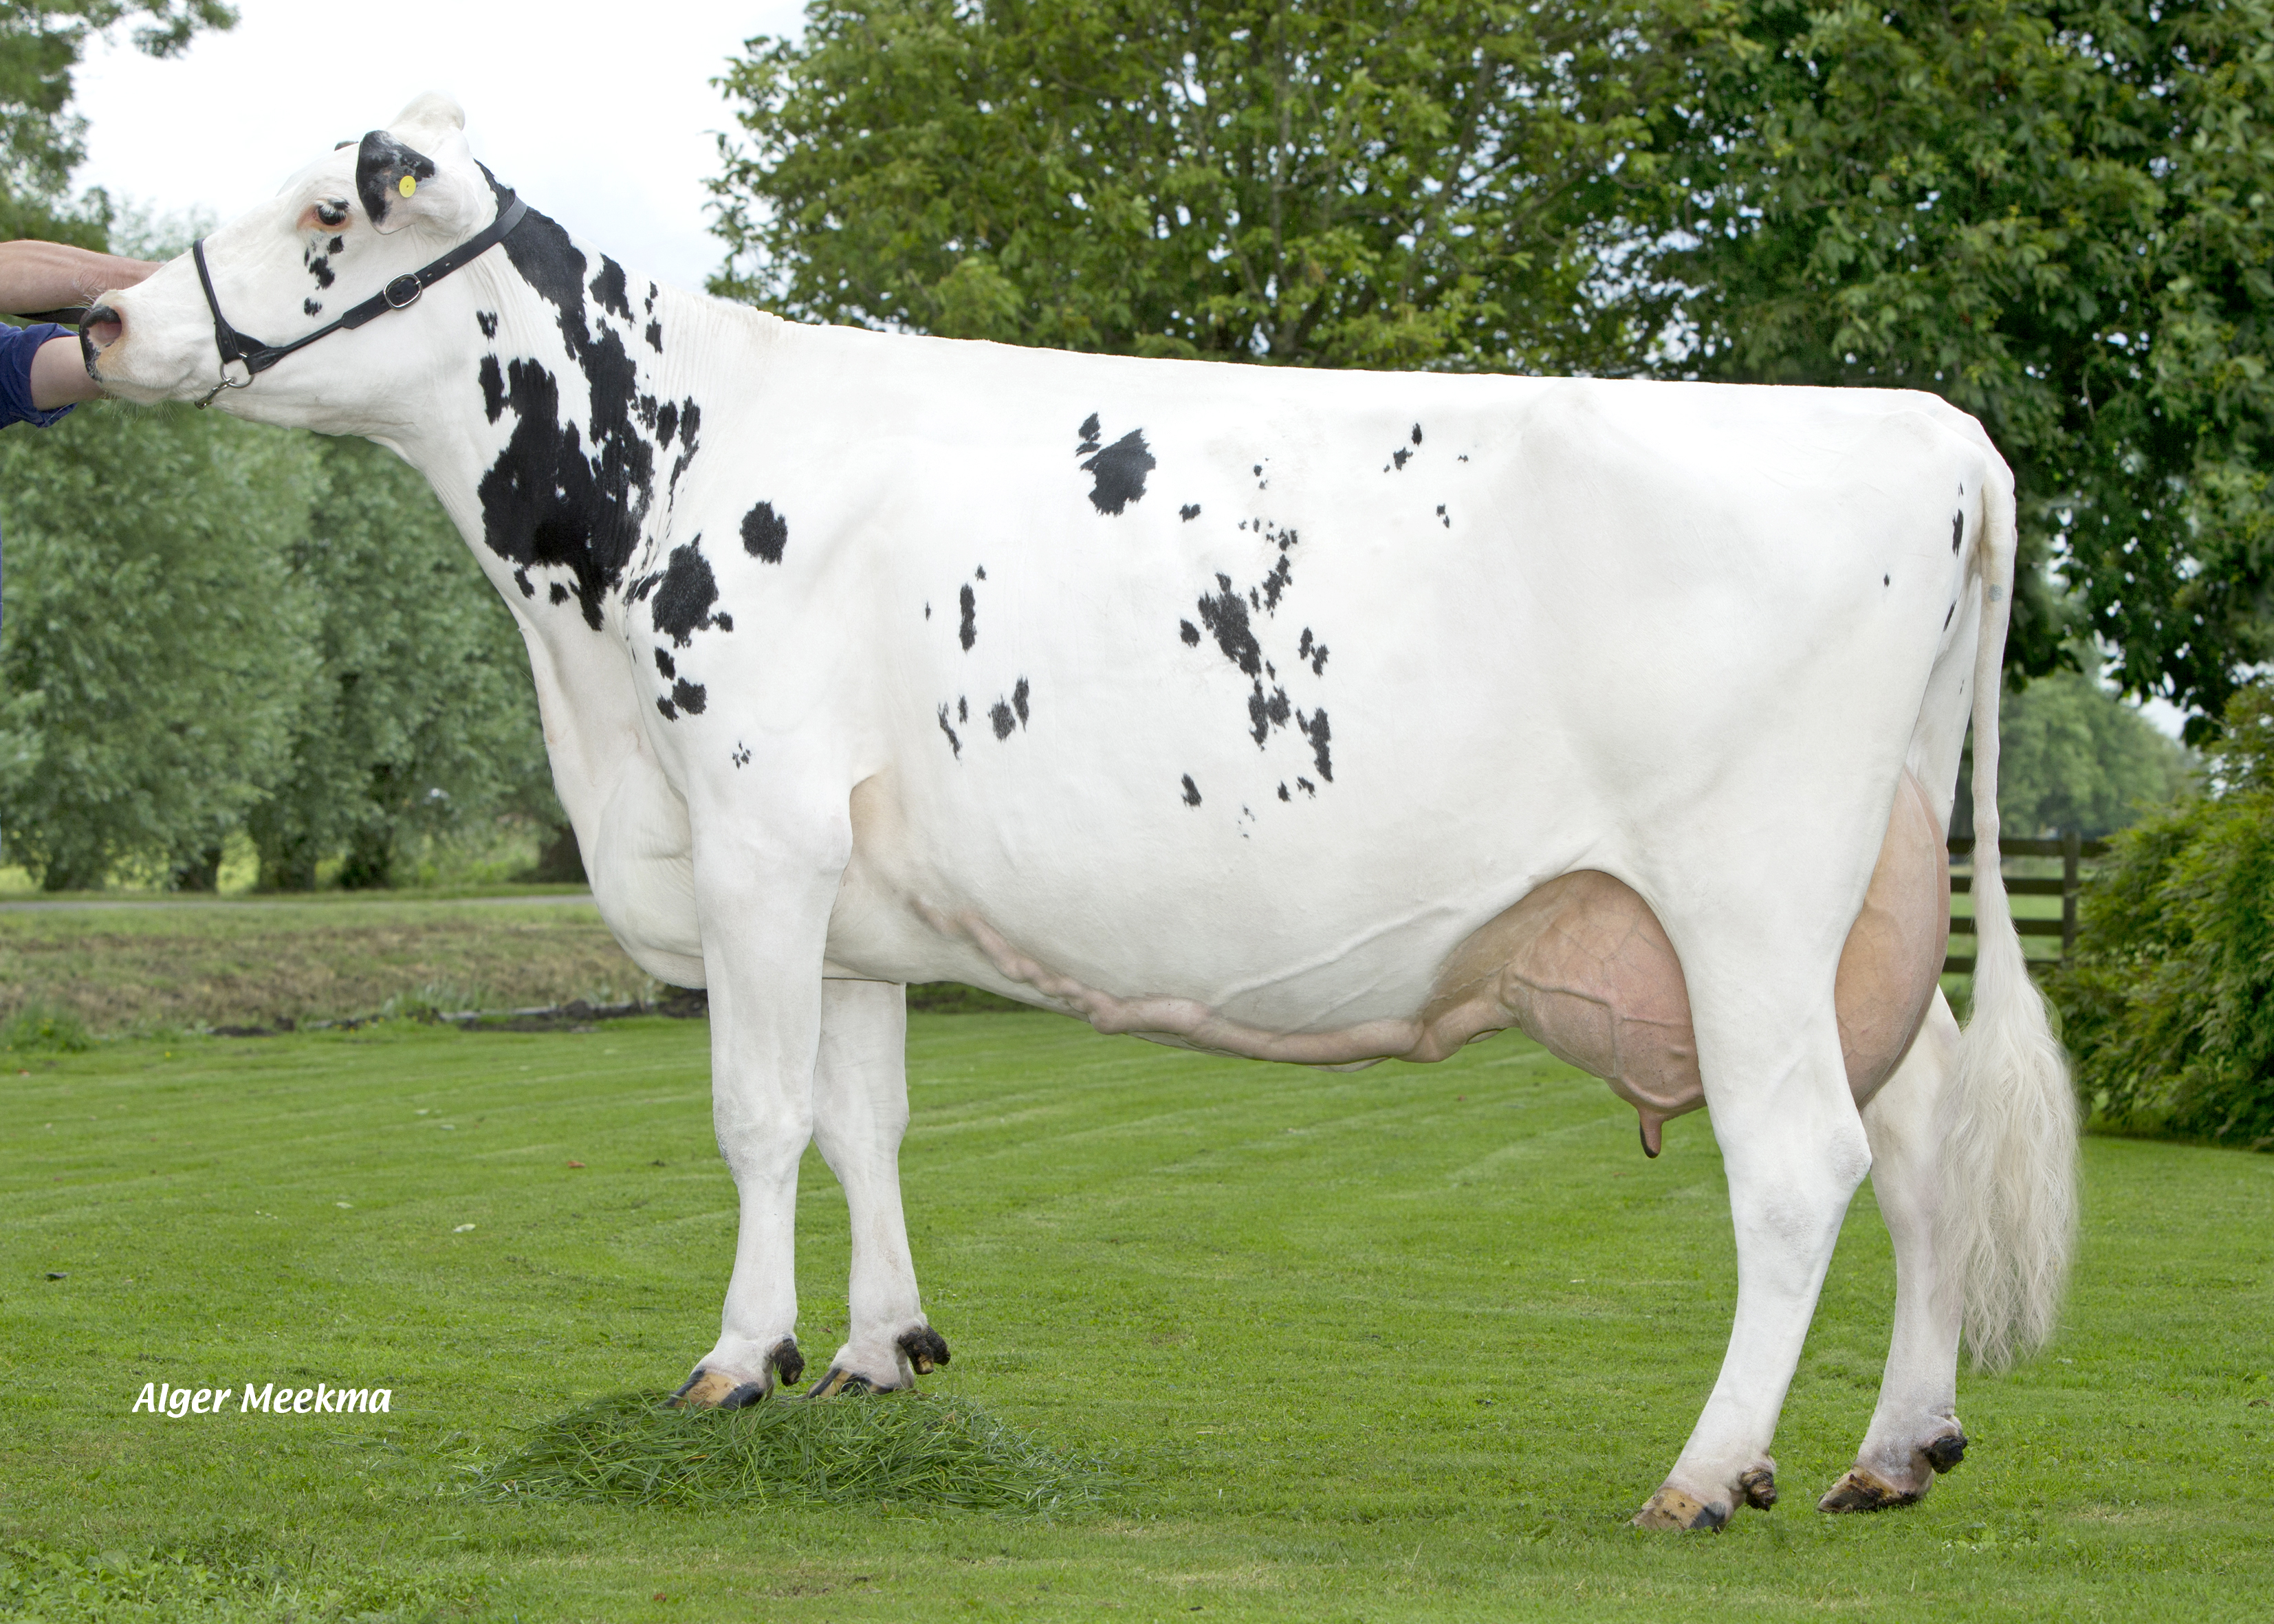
(101, 328)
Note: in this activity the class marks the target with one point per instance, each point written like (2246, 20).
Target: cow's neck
(596, 378)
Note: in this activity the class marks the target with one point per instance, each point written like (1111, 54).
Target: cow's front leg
(764, 896)
(860, 1113)
(1794, 1152)
(1915, 1432)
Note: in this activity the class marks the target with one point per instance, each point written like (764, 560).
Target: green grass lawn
(1407, 1343)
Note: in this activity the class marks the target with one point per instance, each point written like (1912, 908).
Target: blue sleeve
(17, 346)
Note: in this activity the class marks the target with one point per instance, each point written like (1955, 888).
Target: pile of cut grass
(899, 1448)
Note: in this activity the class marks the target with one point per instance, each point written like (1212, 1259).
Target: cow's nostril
(102, 326)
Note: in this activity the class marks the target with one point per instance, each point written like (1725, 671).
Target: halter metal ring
(404, 290)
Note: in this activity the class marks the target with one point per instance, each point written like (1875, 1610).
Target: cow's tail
(2008, 1207)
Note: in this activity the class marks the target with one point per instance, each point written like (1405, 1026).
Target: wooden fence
(2071, 849)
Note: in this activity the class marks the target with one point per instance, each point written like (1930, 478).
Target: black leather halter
(404, 291)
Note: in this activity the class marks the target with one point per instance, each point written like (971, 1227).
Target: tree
(2071, 754)
(2057, 216)
(1351, 183)
(41, 141)
(2054, 214)
(421, 714)
(155, 651)
(2169, 1003)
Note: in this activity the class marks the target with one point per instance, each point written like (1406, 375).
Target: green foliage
(1338, 185)
(41, 142)
(2169, 1003)
(2057, 216)
(422, 714)
(2071, 754)
(155, 650)
(39, 1027)
(903, 1450)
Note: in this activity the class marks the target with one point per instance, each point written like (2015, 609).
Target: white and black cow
(1310, 716)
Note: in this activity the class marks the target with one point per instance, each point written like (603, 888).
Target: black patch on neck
(487, 320)
(682, 604)
(608, 288)
(492, 387)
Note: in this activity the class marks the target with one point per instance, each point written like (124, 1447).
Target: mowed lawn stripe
(1407, 1342)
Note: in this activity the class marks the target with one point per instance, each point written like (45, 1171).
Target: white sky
(602, 115)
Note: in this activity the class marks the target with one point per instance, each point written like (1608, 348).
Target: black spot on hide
(655, 337)
(1276, 583)
(547, 500)
(1226, 616)
(1399, 456)
(968, 633)
(381, 161)
(1283, 796)
(1264, 714)
(670, 711)
(765, 533)
(521, 580)
(981, 572)
(1119, 469)
(321, 269)
(1001, 719)
(1946, 614)
(487, 320)
(608, 288)
(953, 743)
(1019, 701)
(1190, 632)
(1316, 731)
(492, 387)
(682, 605)
(1957, 531)
(557, 594)
(1306, 786)
(665, 666)
(690, 696)
(1314, 652)
(311, 307)
(1416, 433)
(667, 425)
(962, 709)
(339, 243)
(1189, 512)
(1192, 792)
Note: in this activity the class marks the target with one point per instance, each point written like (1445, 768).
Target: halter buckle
(403, 291)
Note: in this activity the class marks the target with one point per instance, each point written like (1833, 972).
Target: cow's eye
(332, 211)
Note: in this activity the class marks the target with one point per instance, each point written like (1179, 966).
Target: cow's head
(336, 234)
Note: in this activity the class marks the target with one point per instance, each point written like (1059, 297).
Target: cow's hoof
(710, 1389)
(1945, 1452)
(1865, 1491)
(1758, 1487)
(845, 1383)
(923, 1348)
(1671, 1508)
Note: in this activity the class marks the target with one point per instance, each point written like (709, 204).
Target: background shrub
(2169, 1001)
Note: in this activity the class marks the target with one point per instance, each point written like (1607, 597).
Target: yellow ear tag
(408, 185)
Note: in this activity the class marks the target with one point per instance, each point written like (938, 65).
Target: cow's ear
(388, 174)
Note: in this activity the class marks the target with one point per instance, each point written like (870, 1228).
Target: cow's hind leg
(861, 1111)
(1794, 1153)
(1915, 1432)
